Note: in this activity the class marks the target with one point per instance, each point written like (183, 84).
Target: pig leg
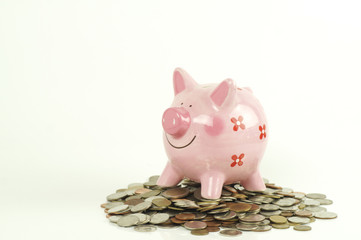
(212, 184)
(170, 177)
(254, 182)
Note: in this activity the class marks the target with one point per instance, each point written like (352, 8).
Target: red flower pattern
(238, 123)
(237, 160)
(263, 131)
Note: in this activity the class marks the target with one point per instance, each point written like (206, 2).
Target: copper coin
(240, 207)
(193, 225)
(213, 224)
(176, 193)
(177, 221)
(199, 232)
(142, 190)
(230, 232)
(213, 229)
(185, 216)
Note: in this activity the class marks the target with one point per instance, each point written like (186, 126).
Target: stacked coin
(147, 205)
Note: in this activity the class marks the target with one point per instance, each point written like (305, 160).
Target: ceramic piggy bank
(213, 134)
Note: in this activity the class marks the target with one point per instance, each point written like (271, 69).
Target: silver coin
(127, 221)
(118, 209)
(153, 178)
(135, 186)
(117, 196)
(270, 213)
(325, 215)
(114, 219)
(311, 202)
(143, 218)
(291, 208)
(285, 202)
(150, 199)
(316, 209)
(316, 195)
(287, 190)
(141, 207)
(145, 228)
(301, 220)
(269, 207)
(324, 201)
(113, 204)
(159, 218)
(302, 228)
(299, 195)
(246, 227)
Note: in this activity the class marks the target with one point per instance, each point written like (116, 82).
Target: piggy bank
(214, 134)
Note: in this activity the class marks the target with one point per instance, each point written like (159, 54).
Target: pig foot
(170, 177)
(212, 184)
(254, 182)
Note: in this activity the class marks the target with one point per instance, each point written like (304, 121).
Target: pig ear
(182, 81)
(224, 92)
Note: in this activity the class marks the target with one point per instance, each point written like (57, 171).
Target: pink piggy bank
(213, 134)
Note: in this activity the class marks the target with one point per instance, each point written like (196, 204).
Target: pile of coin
(147, 205)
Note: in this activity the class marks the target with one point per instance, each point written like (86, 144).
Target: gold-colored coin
(278, 219)
(302, 228)
(199, 232)
(281, 226)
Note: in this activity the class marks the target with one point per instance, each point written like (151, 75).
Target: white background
(83, 85)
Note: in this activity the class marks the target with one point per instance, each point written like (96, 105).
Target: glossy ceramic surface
(213, 134)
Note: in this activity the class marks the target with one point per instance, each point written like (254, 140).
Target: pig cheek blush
(215, 128)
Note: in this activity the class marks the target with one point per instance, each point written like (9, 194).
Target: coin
(143, 218)
(185, 216)
(225, 216)
(112, 204)
(253, 218)
(311, 202)
(118, 208)
(300, 220)
(141, 207)
(159, 218)
(135, 185)
(161, 202)
(316, 209)
(145, 228)
(199, 232)
(246, 227)
(133, 202)
(240, 207)
(116, 196)
(325, 215)
(316, 195)
(114, 219)
(127, 221)
(324, 201)
(302, 228)
(213, 229)
(176, 193)
(193, 225)
(281, 226)
(304, 213)
(269, 207)
(262, 228)
(230, 232)
(278, 219)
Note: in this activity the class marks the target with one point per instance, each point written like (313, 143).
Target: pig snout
(176, 121)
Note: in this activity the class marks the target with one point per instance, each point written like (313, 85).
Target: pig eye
(190, 105)
(181, 103)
